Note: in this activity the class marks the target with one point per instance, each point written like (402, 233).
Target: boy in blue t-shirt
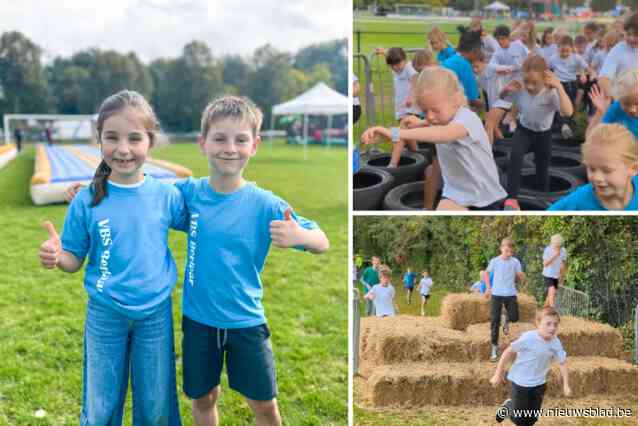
(501, 287)
(232, 224)
(408, 283)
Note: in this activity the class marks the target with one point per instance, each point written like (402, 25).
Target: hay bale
(458, 310)
(415, 385)
(579, 337)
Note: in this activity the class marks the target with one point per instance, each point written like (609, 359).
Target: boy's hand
(375, 135)
(51, 249)
(551, 80)
(488, 293)
(598, 98)
(497, 379)
(71, 192)
(409, 122)
(286, 233)
(514, 86)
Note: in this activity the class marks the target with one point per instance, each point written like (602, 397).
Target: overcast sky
(160, 28)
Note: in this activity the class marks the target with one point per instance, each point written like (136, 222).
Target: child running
(554, 264)
(537, 98)
(120, 222)
(370, 278)
(502, 290)
(470, 177)
(408, 283)
(382, 294)
(425, 286)
(624, 110)
(610, 155)
(532, 354)
(232, 224)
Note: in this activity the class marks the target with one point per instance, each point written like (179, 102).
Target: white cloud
(160, 28)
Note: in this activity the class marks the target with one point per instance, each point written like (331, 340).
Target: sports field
(42, 312)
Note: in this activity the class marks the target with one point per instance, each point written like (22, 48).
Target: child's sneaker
(566, 132)
(494, 356)
(504, 410)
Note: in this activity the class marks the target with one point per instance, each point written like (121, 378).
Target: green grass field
(42, 312)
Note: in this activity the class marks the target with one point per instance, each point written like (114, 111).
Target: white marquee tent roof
(497, 5)
(320, 100)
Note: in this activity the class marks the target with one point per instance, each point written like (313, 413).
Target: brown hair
(631, 22)
(547, 311)
(566, 41)
(385, 270)
(437, 34)
(508, 242)
(548, 30)
(394, 55)
(423, 58)
(611, 39)
(613, 134)
(535, 63)
(111, 106)
(238, 108)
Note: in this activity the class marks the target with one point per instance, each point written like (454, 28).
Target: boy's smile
(228, 146)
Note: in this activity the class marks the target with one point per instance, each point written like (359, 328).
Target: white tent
(320, 100)
(497, 6)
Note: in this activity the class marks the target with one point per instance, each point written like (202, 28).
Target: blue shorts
(408, 287)
(249, 360)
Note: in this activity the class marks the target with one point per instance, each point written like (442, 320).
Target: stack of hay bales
(413, 361)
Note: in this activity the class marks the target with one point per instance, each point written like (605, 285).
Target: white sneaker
(494, 356)
(504, 410)
(566, 132)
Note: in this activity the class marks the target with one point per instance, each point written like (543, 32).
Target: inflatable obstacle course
(408, 361)
(7, 153)
(58, 167)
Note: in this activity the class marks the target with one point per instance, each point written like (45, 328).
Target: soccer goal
(49, 127)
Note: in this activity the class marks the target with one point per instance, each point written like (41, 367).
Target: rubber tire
(369, 187)
(426, 149)
(408, 196)
(560, 144)
(502, 157)
(568, 184)
(411, 172)
(528, 203)
(575, 166)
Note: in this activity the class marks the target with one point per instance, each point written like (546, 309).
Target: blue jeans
(113, 345)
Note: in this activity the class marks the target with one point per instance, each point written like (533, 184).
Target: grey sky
(160, 28)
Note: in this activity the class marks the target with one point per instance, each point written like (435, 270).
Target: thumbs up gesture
(286, 233)
(51, 249)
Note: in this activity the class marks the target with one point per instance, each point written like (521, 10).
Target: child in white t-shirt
(382, 294)
(532, 354)
(554, 261)
(424, 288)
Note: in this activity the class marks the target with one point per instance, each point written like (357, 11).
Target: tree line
(179, 88)
(468, 5)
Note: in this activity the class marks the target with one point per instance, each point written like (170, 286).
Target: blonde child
(422, 59)
(538, 97)
(501, 290)
(425, 286)
(382, 294)
(610, 154)
(554, 264)
(130, 273)
(470, 177)
(624, 110)
(440, 44)
(531, 354)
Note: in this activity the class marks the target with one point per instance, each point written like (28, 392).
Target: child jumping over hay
(554, 258)
(502, 290)
(408, 283)
(424, 288)
(532, 354)
(382, 294)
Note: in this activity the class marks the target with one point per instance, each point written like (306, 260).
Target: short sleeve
(555, 99)
(520, 344)
(472, 92)
(472, 123)
(490, 267)
(610, 64)
(179, 212)
(559, 353)
(611, 113)
(582, 64)
(546, 254)
(518, 266)
(75, 233)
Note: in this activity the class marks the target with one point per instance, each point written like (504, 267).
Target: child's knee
(209, 400)
(265, 409)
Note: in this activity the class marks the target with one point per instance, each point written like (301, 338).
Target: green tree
(333, 54)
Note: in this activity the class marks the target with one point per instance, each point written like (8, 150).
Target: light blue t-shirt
(533, 357)
(583, 198)
(463, 70)
(228, 241)
(504, 278)
(129, 267)
(445, 54)
(615, 114)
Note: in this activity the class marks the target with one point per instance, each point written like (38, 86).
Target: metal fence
(573, 302)
(356, 325)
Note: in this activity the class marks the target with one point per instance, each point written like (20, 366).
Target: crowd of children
(533, 84)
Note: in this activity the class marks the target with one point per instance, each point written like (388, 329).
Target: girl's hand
(71, 192)
(567, 391)
(51, 249)
(598, 98)
(497, 379)
(409, 122)
(551, 80)
(375, 135)
(286, 233)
